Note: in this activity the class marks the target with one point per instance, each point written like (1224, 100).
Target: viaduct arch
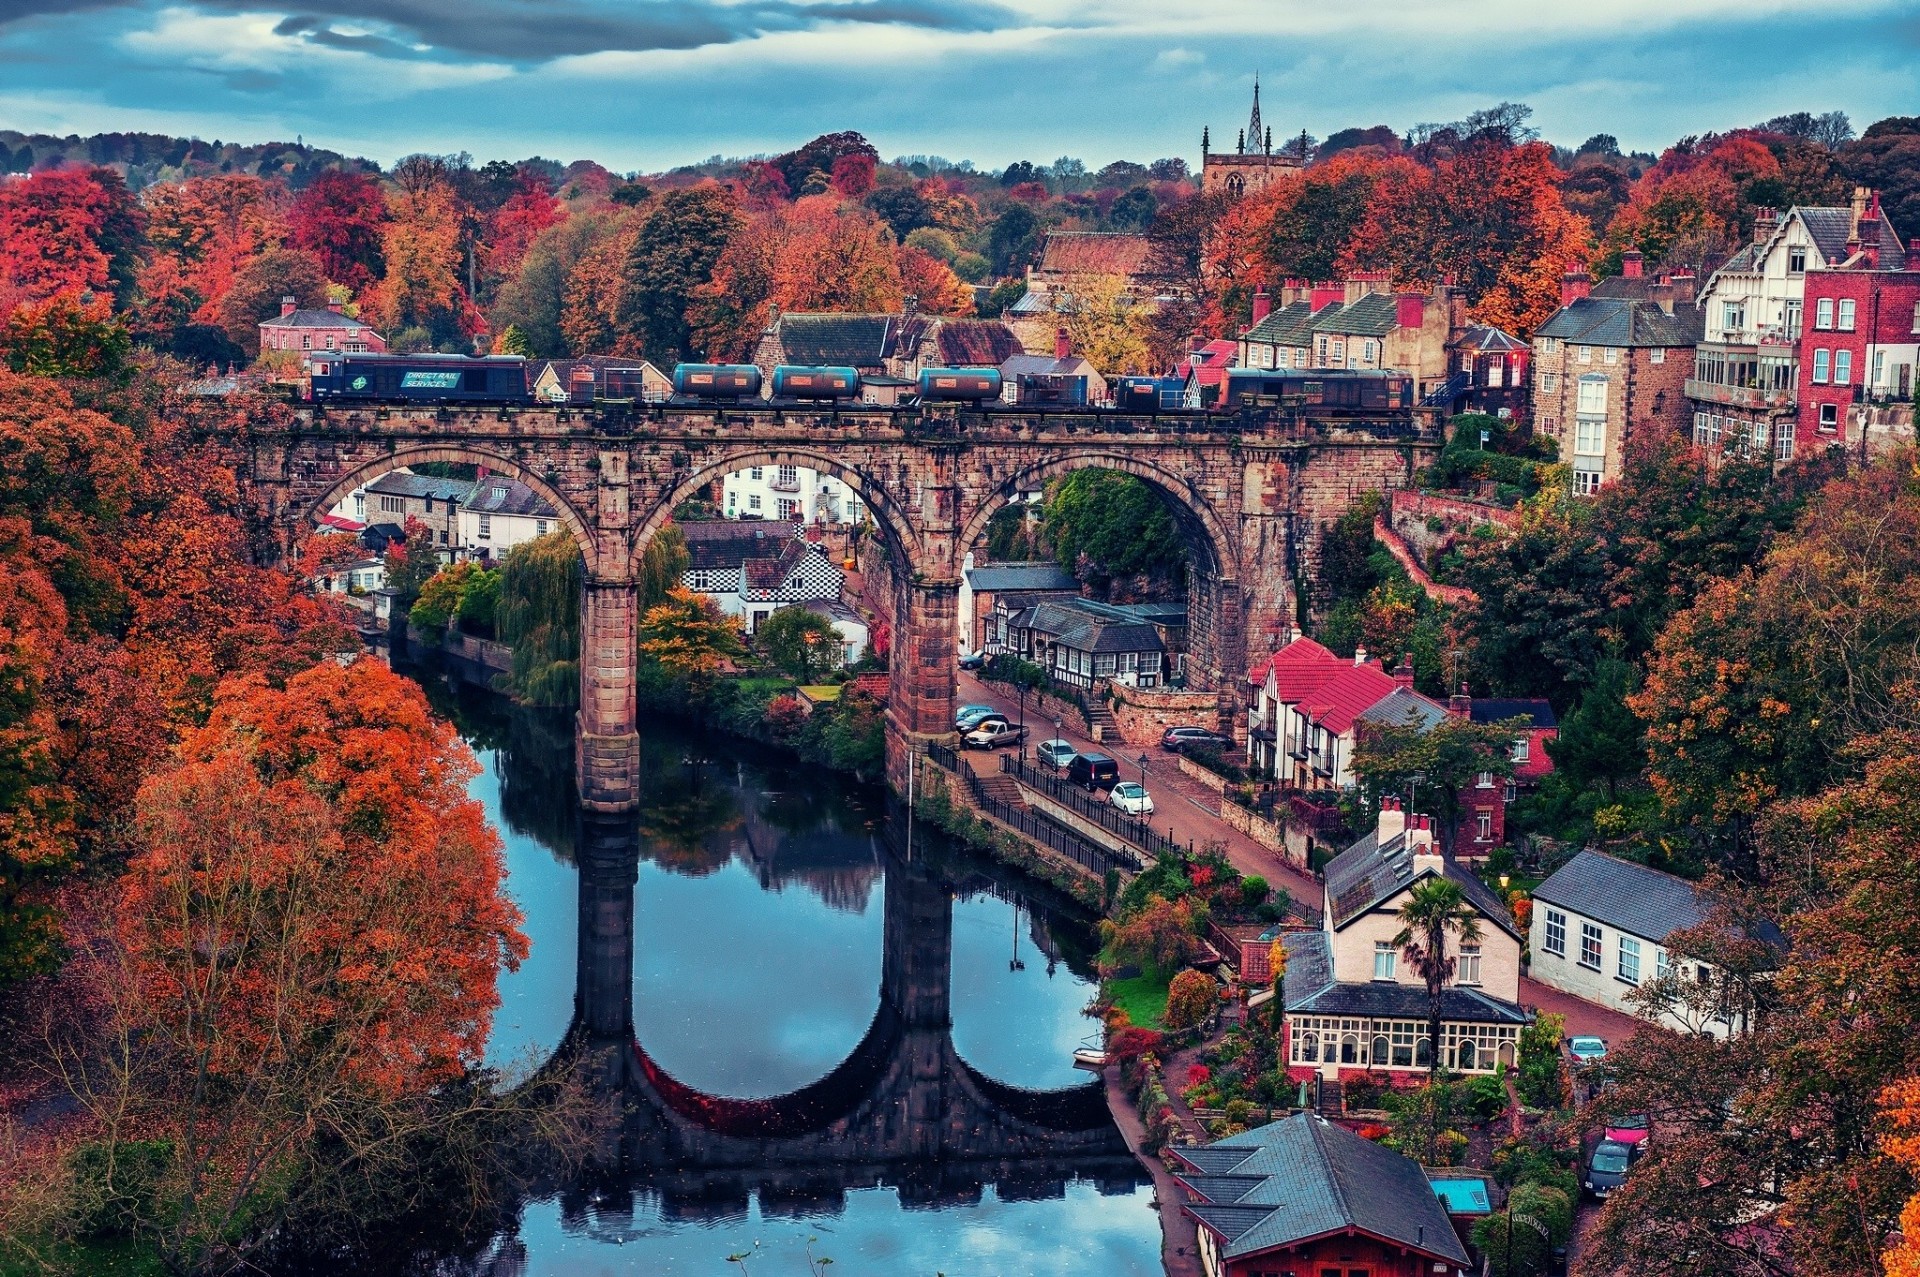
(1250, 492)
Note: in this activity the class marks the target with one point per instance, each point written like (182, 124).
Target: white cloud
(249, 42)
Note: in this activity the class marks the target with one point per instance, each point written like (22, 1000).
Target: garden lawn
(1143, 998)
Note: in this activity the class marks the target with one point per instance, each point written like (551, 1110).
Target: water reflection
(807, 1034)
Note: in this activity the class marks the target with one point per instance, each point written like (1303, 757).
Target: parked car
(1630, 1129)
(1606, 1166)
(968, 717)
(1132, 797)
(1093, 771)
(994, 733)
(1586, 1049)
(1055, 753)
(972, 660)
(1175, 739)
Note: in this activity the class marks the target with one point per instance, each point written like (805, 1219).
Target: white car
(1132, 797)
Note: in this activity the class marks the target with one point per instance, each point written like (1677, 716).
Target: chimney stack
(1062, 344)
(1574, 285)
(1633, 263)
(1683, 285)
(1861, 196)
(1913, 253)
(1262, 304)
(1420, 841)
(1765, 222)
(1325, 295)
(1460, 702)
(1393, 820)
(1403, 672)
(287, 306)
(1360, 656)
(337, 308)
(1195, 342)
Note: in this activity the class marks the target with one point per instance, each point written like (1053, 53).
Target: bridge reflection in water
(903, 1110)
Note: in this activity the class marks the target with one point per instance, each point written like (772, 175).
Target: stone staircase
(999, 787)
(1101, 724)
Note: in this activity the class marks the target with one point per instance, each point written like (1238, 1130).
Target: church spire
(1254, 131)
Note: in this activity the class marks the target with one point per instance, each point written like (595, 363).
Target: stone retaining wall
(1212, 780)
(1144, 713)
(1269, 834)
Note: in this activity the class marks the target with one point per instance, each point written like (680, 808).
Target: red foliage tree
(339, 219)
(65, 230)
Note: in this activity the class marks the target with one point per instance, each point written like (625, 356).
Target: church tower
(1254, 131)
(1251, 165)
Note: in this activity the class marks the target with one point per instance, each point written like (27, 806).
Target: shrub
(1487, 1095)
(1253, 891)
(1191, 996)
(1239, 1111)
(1133, 1042)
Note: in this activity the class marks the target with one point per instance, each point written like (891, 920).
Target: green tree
(1435, 915)
(675, 253)
(65, 336)
(440, 599)
(1105, 524)
(662, 565)
(801, 644)
(480, 603)
(512, 342)
(1448, 757)
(1602, 742)
(538, 615)
(1540, 1218)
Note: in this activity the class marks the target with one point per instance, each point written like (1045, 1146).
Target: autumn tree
(520, 219)
(1191, 997)
(1901, 1103)
(422, 248)
(1160, 936)
(412, 561)
(673, 254)
(259, 286)
(67, 335)
(932, 284)
(584, 260)
(324, 834)
(1449, 757)
(67, 230)
(1105, 324)
(338, 217)
(690, 636)
(205, 232)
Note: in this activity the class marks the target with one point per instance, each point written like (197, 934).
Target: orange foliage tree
(304, 950)
(933, 285)
(338, 218)
(1902, 1104)
(66, 230)
(422, 249)
(204, 232)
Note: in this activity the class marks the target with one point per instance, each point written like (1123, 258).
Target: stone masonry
(1250, 496)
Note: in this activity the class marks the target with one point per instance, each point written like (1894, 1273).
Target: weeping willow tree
(538, 609)
(538, 615)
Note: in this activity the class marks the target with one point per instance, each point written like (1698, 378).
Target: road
(1182, 804)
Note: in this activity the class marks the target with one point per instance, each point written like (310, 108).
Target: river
(831, 1044)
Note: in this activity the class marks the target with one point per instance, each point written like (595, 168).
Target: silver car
(1055, 753)
(994, 733)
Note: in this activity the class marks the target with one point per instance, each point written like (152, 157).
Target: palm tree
(1436, 909)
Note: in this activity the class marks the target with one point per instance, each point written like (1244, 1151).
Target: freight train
(503, 380)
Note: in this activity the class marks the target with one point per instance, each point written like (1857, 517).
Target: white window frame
(1627, 960)
(1589, 437)
(1657, 355)
(1823, 315)
(1554, 940)
(1591, 397)
(1848, 308)
(1469, 968)
(1821, 357)
(484, 525)
(1610, 355)
(1585, 355)
(1843, 367)
(1592, 941)
(1385, 957)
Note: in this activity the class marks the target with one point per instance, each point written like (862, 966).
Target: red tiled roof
(1209, 364)
(975, 343)
(1095, 253)
(1348, 694)
(1300, 649)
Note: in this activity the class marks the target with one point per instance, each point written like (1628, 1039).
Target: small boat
(1089, 1058)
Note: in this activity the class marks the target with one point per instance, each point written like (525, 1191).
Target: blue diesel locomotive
(437, 379)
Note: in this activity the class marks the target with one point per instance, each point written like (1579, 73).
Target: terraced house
(1356, 323)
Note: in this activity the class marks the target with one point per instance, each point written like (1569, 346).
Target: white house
(793, 494)
(363, 577)
(752, 569)
(1303, 725)
(1353, 1001)
(500, 514)
(846, 623)
(1601, 928)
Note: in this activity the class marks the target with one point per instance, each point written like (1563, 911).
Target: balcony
(784, 485)
(1738, 396)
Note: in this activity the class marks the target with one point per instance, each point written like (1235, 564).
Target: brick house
(1487, 373)
(1862, 345)
(329, 329)
(1611, 365)
(1306, 707)
(1353, 1002)
(1110, 256)
(1749, 367)
(1305, 1196)
(400, 495)
(1356, 323)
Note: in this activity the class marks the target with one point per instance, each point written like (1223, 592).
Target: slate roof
(727, 543)
(1021, 576)
(975, 343)
(857, 341)
(1109, 636)
(1095, 253)
(1370, 873)
(1632, 898)
(422, 487)
(1287, 326)
(1485, 709)
(315, 319)
(1404, 707)
(1487, 338)
(1310, 988)
(770, 573)
(1087, 626)
(497, 494)
(1620, 321)
(1374, 315)
(1044, 366)
(1303, 1177)
(1828, 228)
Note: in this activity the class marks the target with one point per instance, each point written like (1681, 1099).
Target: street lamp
(1143, 770)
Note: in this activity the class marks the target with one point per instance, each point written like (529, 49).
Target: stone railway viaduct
(1250, 493)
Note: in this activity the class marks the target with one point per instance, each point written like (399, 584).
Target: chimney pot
(1574, 285)
(1765, 221)
(1360, 655)
(1403, 672)
(1460, 702)
(1633, 263)
(1262, 304)
(1392, 821)
(1062, 344)
(336, 307)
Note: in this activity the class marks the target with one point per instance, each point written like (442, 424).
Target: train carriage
(438, 379)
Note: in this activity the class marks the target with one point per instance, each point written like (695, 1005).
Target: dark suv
(1175, 739)
(1093, 771)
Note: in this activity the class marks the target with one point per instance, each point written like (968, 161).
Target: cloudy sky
(648, 84)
